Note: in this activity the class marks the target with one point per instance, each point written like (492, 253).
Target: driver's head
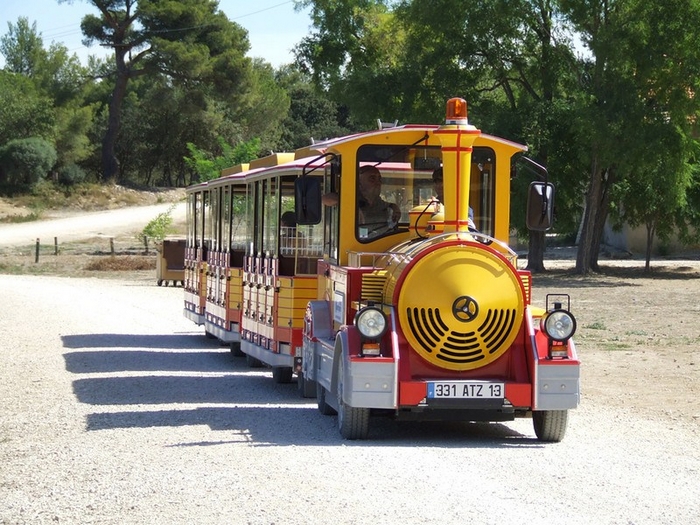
(370, 182)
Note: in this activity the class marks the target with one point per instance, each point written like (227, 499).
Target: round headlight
(559, 325)
(371, 322)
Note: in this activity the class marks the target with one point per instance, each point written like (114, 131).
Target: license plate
(465, 390)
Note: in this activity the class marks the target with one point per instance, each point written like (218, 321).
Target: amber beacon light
(456, 112)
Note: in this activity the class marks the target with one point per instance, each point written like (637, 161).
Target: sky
(273, 25)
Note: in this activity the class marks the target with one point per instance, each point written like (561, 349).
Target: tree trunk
(607, 179)
(110, 165)
(593, 200)
(650, 241)
(535, 252)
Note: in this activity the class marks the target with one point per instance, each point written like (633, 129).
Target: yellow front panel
(461, 307)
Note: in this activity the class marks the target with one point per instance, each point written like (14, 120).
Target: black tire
(160, 282)
(323, 407)
(306, 387)
(282, 374)
(353, 422)
(236, 349)
(550, 425)
(253, 362)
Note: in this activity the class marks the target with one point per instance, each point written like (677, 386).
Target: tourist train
(375, 270)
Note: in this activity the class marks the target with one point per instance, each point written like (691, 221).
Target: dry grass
(49, 200)
(128, 263)
(87, 264)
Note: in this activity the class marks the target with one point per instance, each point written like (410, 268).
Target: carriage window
(250, 216)
(239, 231)
(206, 220)
(270, 214)
(225, 219)
(192, 212)
(300, 245)
(215, 232)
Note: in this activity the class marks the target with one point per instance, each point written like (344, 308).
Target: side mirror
(540, 206)
(307, 200)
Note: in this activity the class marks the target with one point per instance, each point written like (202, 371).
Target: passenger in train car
(438, 186)
(374, 212)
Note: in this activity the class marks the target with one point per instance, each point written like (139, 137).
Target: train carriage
(388, 295)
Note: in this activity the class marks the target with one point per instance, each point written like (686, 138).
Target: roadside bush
(157, 228)
(71, 174)
(25, 162)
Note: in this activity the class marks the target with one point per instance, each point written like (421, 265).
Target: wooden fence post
(36, 256)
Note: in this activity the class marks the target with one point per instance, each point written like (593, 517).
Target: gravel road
(86, 225)
(115, 409)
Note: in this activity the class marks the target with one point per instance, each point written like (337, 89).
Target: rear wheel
(353, 422)
(282, 374)
(550, 425)
(236, 349)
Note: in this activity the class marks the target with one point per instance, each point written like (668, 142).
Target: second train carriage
(381, 298)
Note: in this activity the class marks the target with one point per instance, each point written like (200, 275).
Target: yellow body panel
(235, 286)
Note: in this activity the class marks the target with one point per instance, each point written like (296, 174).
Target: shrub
(26, 161)
(157, 228)
(71, 174)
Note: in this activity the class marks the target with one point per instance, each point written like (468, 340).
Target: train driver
(375, 214)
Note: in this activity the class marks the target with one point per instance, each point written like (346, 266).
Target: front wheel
(550, 425)
(353, 422)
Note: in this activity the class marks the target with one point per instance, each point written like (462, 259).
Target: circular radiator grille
(460, 307)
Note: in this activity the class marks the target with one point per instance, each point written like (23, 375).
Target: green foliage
(262, 108)
(72, 133)
(312, 115)
(24, 112)
(71, 174)
(208, 167)
(619, 115)
(158, 227)
(24, 162)
(22, 47)
(190, 44)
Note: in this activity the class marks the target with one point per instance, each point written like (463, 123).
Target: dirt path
(86, 225)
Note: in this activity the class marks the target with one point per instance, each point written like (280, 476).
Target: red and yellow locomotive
(394, 292)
